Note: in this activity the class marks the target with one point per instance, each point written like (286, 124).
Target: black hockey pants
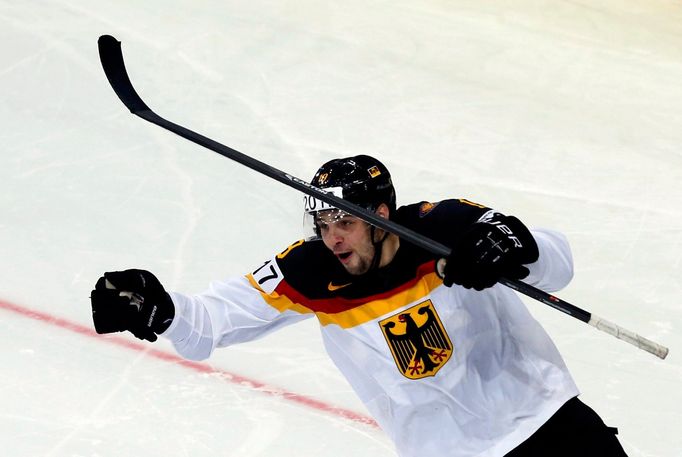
(575, 430)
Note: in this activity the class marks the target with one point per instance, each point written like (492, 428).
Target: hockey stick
(114, 68)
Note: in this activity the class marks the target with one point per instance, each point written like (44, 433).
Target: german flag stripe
(349, 313)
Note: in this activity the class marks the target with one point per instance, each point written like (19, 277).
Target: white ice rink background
(567, 114)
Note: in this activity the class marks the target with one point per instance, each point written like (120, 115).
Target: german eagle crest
(418, 341)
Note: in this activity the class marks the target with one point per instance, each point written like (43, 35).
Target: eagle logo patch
(418, 341)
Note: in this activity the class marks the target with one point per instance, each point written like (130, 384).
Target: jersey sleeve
(554, 268)
(447, 220)
(444, 221)
(231, 311)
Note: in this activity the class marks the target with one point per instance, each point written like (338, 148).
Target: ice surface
(566, 114)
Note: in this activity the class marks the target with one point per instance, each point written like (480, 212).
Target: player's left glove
(495, 247)
(132, 300)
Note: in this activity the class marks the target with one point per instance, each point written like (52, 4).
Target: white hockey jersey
(444, 371)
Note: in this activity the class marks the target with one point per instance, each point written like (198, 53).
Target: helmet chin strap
(378, 247)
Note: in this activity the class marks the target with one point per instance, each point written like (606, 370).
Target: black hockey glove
(493, 248)
(132, 300)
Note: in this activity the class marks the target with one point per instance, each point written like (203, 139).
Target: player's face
(349, 239)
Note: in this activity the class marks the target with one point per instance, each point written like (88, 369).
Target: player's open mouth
(343, 256)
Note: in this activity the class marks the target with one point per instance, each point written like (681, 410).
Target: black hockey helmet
(363, 180)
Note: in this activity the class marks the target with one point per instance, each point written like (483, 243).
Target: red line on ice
(195, 366)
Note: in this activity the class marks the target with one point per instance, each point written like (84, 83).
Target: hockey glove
(132, 300)
(495, 247)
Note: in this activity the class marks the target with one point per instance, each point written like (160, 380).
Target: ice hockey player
(448, 361)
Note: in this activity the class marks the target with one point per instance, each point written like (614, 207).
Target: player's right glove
(495, 247)
(132, 300)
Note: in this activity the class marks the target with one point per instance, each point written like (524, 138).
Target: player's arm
(492, 247)
(487, 245)
(230, 311)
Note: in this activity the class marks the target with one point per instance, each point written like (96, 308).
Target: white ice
(567, 114)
